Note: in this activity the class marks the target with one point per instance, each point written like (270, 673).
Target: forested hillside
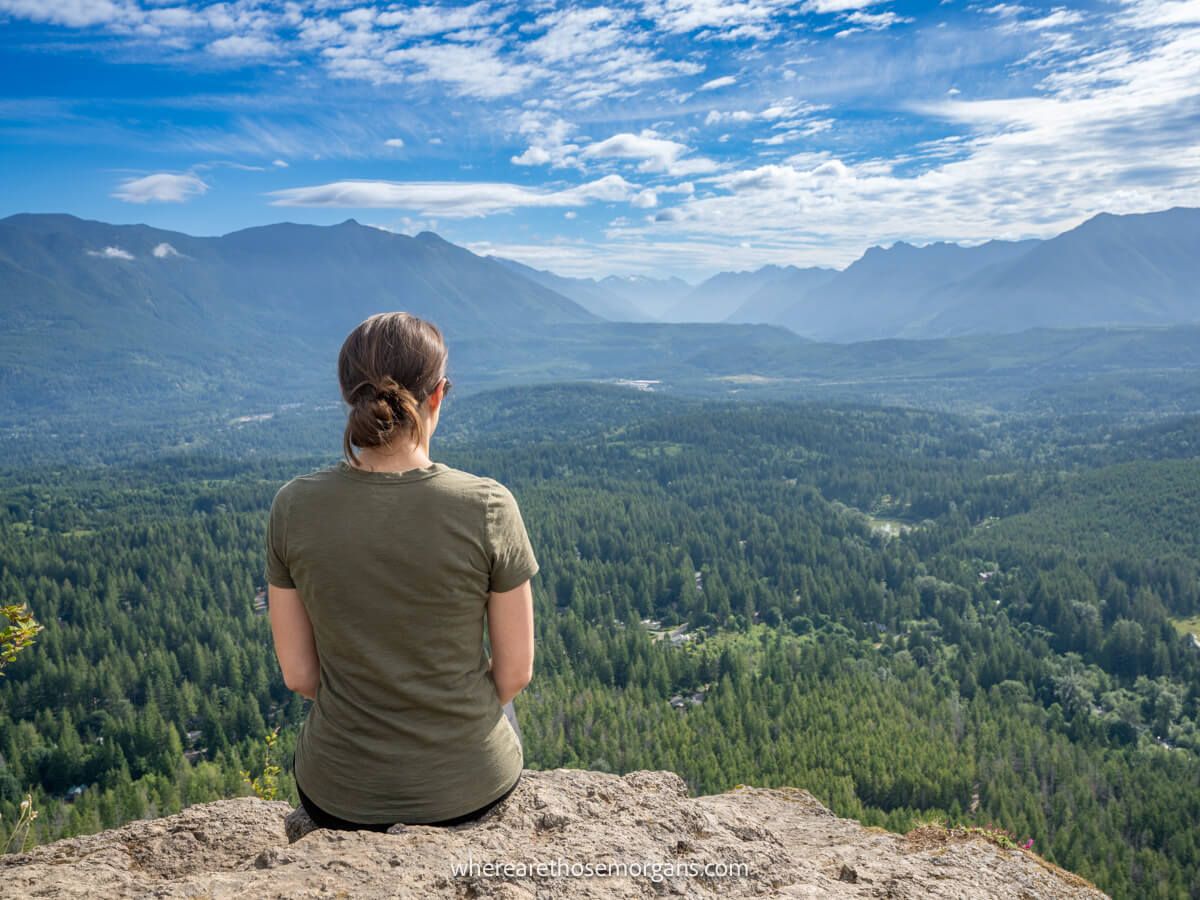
(910, 614)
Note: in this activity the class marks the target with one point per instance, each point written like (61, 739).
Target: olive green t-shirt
(395, 570)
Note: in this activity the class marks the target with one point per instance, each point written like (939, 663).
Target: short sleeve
(276, 571)
(510, 553)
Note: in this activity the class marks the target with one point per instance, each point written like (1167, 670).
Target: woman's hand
(510, 631)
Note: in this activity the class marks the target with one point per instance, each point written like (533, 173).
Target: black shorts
(328, 820)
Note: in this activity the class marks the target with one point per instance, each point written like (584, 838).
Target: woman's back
(395, 570)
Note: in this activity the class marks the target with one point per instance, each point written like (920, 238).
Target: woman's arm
(294, 645)
(510, 631)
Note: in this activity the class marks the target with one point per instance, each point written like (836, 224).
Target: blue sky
(660, 137)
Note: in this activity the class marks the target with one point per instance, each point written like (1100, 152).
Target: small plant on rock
(266, 785)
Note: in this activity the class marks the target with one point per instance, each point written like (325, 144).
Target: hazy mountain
(715, 299)
(652, 296)
(773, 299)
(886, 290)
(1111, 270)
(107, 323)
(300, 279)
(589, 294)
(89, 310)
(1139, 269)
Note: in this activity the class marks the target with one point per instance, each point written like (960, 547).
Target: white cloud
(533, 156)
(394, 142)
(723, 81)
(646, 199)
(1111, 128)
(473, 70)
(238, 46)
(574, 34)
(162, 187)
(280, 164)
(74, 13)
(165, 251)
(715, 117)
(548, 136)
(876, 21)
(111, 253)
(570, 214)
(656, 154)
(591, 53)
(456, 199)
(837, 6)
(735, 19)
(423, 21)
(789, 120)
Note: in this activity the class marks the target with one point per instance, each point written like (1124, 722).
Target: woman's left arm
(294, 645)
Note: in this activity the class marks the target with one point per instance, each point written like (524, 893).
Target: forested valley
(916, 616)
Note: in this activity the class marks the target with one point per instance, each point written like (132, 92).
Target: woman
(382, 569)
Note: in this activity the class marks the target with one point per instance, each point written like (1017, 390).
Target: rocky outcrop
(748, 842)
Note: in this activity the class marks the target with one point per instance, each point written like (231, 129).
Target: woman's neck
(376, 460)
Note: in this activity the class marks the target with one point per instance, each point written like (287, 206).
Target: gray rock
(777, 843)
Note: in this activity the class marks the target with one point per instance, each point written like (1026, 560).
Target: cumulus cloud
(280, 164)
(654, 153)
(111, 253)
(74, 13)
(455, 199)
(238, 46)
(394, 142)
(532, 156)
(549, 140)
(165, 251)
(162, 187)
(646, 199)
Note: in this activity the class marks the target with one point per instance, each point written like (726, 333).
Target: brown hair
(387, 366)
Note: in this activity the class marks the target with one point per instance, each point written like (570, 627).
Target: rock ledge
(561, 820)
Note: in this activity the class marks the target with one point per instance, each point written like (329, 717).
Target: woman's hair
(387, 366)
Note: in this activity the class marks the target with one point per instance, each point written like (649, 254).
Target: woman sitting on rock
(383, 568)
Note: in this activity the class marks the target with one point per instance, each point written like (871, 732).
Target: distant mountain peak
(432, 237)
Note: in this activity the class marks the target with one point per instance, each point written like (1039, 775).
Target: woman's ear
(439, 394)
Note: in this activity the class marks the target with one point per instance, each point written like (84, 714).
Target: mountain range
(1140, 269)
(114, 320)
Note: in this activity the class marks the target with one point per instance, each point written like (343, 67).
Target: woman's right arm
(510, 632)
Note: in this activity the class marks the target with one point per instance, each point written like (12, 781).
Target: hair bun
(387, 367)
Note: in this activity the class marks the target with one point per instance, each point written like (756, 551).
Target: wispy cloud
(452, 199)
(111, 253)
(162, 187)
(804, 127)
(652, 152)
